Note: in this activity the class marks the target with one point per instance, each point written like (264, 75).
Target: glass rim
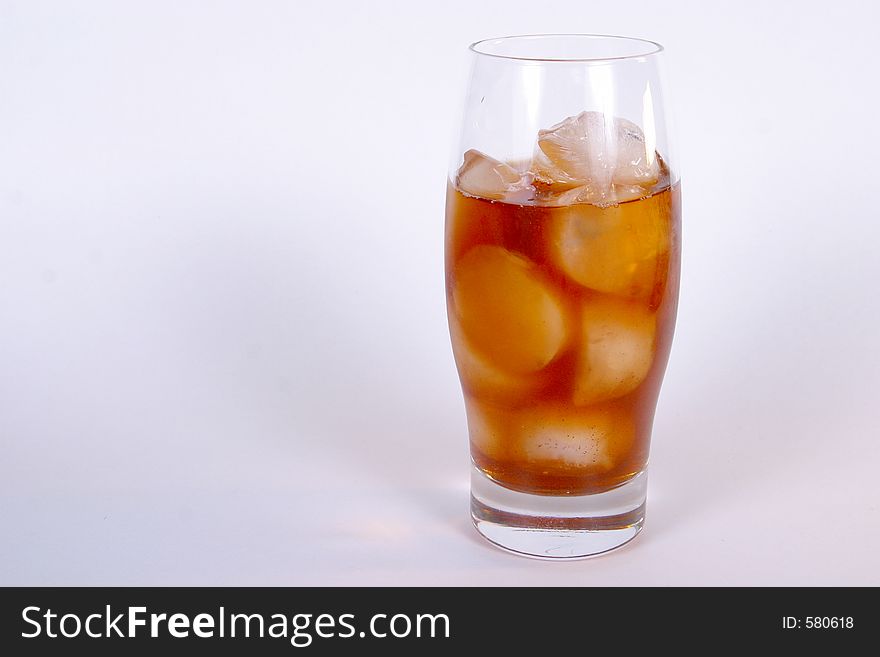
(651, 48)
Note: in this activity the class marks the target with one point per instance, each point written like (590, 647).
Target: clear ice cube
(508, 314)
(486, 428)
(617, 349)
(617, 250)
(581, 438)
(481, 378)
(603, 156)
(486, 177)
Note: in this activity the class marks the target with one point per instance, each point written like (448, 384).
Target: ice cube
(509, 315)
(617, 350)
(623, 193)
(550, 197)
(589, 438)
(596, 153)
(486, 428)
(620, 250)
(480, 378)
(486, 177)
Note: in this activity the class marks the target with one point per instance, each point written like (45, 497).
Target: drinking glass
(562, 252)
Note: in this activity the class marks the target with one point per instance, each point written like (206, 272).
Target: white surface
(223, 351)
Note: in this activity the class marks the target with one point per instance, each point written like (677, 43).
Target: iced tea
(562, 286)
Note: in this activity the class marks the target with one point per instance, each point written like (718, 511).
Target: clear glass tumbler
(562, 270)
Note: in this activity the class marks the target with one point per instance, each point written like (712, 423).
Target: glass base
(558, 527)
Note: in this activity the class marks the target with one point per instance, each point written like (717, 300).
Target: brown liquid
(561, 322)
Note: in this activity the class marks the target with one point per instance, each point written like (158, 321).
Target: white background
(223, 349)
